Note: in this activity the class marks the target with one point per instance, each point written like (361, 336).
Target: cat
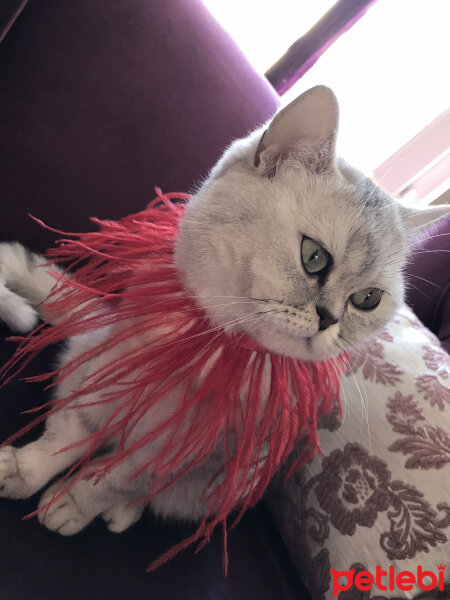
(281, 226)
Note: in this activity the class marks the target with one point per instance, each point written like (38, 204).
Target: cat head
(292, 246)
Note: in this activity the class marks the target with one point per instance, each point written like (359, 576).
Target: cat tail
(26, 280)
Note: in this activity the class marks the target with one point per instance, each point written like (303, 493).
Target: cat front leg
(15, 311)
(121, 516)
(24, 471)
(84, 500)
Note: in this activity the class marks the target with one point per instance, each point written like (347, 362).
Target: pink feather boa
(125, 277)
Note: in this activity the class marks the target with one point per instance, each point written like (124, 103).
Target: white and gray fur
(239, 253)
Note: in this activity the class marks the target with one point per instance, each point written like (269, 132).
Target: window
(389, 73)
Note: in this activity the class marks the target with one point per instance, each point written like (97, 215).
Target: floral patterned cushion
(381, 493)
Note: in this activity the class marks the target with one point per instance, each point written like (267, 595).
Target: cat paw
(121, 516)
(12, 482)
(15, 310)
(64, 515)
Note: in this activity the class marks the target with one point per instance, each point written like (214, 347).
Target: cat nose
(325, 318)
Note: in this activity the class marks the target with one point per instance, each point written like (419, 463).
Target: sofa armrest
(101, 100)
(428, 277)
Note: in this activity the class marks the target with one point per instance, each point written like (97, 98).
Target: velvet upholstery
(428, 275)
(100, 100)
(9, 11)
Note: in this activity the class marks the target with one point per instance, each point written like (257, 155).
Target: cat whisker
(394, 262)
(226, 328)
(358, 350)
(195, 297)
(426, 280)
(364, 406)
(231, 323)
(345, 400)
(267, 300)
(435, 235)
(394, 165)
(210, 306)
(264, 312)
(389, 205)
(429, 224)
(409, 284)
(430, 251)
(202, 333)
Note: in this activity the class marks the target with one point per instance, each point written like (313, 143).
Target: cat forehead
(355, 221)
(351, 208)
(344, 213)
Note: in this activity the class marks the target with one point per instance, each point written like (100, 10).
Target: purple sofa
(101, 100)
(428, 275)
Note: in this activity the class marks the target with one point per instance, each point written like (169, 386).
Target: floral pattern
(414, 524)
(353, 488)
(369, 357)
(435, 386)
(381, 493)
(437, 360)
(428, 445)
(433, 390)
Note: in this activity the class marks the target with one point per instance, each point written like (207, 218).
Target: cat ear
(306, 128)
(417, 221)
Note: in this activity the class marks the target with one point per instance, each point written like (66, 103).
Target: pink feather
(126, 277)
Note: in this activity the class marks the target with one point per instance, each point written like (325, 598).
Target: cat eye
(314, 257)
(367, 298)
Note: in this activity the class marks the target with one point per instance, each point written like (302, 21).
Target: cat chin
(317, 348)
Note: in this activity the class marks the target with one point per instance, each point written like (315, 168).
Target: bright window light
(389, 73)
(264, 29)
(389, 70)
